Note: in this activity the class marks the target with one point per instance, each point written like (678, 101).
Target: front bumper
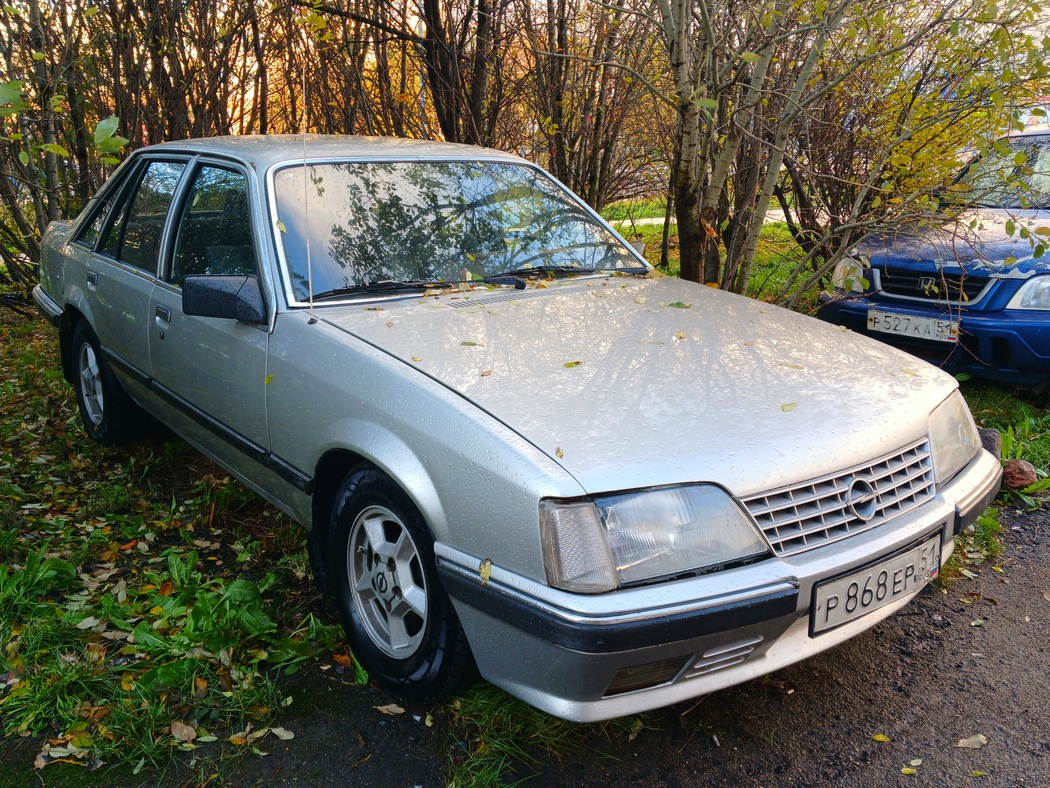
(1005, 346)
(594, 657)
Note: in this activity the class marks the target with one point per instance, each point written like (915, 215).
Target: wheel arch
(377, 449)
(67, 325)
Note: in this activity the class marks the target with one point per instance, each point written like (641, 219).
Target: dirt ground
(969, 659)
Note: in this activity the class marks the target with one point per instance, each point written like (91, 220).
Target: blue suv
(970, 293)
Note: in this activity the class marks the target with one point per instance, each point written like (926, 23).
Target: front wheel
(400, 623)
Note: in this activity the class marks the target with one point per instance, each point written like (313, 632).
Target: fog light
(644, 676)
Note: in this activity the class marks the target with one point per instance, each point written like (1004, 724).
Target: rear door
(127, 234)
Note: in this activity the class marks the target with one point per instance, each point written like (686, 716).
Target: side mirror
(229, 297)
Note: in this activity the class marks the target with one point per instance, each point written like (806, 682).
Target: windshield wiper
(516, 274)
(386, 285)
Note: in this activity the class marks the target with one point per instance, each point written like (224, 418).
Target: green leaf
(571, 364)
(749, 57)
(680, 305)
(106, 129)
(1010, 227)
(11, 97)
(39, 56)
(54, 148)
(706, 103)
(23, 157)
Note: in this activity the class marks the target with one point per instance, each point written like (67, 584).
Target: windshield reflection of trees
(1016, 176)
(430, 221)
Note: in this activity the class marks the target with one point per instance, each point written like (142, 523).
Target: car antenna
(306, 210)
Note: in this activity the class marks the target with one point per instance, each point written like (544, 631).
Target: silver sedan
(516, 448)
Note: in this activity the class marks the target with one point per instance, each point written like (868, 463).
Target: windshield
(1015, 174)
(431, 221)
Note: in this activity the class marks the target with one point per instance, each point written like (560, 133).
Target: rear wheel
(109, 415)
(400, 623)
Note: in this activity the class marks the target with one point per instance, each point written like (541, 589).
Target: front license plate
(930, 328)
(844, 599)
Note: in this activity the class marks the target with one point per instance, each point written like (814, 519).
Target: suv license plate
(844, 599)
(930, 328)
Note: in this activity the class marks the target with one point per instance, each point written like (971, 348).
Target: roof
(263, 151)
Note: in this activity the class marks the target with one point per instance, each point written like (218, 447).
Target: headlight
(615, 540)
(851, 275)
(953, 437)
(1034, 294)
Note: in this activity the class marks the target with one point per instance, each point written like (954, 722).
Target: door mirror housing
(229, 297)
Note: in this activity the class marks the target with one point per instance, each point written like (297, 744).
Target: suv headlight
(851, 275)
(625, 539)
(1034, 294)
(953, 437)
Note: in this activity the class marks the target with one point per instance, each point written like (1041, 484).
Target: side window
(134, 235)
(215, 229)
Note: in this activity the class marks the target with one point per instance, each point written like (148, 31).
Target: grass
(503, 735)
(134, 630)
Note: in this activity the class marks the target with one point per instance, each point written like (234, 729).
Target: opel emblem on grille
(861, 499)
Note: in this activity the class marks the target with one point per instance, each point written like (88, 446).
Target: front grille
(820, 512)
(941, 287)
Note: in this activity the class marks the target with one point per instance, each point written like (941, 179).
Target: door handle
(92, 279)
(163, 313)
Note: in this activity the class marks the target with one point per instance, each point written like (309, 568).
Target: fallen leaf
(978, 773)
(417, 358)
(571, 364)
(469, 344)
(907, 770)
(486, 372)
(559, 453)
(183, 732)
(679, 335)
(915, 762)
(485, 570)
(200, 688)
(282, 733)
(787, 407)
(429, 721)
(911, 372)
(1046, 596)
(390, 324)
(344, 660)
(88, 623)
(975, 742)
(881, 737)
(166, 588)
(977, 623)
(680, 305)
(791, 366)
(391, 709)
(639, 299)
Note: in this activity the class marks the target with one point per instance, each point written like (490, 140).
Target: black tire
(109, 415)
(400, 623)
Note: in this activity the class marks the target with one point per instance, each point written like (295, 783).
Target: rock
(992, 440)
(1018, 474)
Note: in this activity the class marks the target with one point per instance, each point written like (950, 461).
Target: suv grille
(933, 287)
(820, 512)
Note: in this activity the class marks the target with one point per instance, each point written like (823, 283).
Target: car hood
(631, 382)
(982, 241)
